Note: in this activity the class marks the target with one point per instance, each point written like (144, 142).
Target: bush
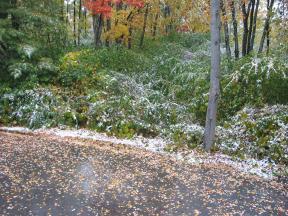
(30, 108)
(260, 133)
(253, 81)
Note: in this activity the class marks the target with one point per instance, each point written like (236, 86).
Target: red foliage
(99, 7)
(104, 6)
(135, 3)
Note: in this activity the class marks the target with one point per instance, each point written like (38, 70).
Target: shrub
(260, 133)
(254, 81)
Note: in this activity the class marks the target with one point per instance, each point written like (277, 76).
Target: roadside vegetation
(159, 89)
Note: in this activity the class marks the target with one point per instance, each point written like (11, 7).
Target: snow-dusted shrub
(185, 135)
(32, 108)
(46, 70)
(253, 81)
(260, 133)
(20, 70)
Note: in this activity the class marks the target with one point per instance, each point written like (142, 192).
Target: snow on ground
(261, 168)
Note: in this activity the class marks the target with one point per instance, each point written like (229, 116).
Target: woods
(195, 73)
(143, 107)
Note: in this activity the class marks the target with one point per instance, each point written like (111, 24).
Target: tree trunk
(130, 38)
(85, 22)
(144, 25)
(79, 21)
(130, 29)
(67, 12)
(74, 22)
(97, 28)
(250, 26)
(108, 26)
(245, 26)
(268, 33)
(226, 30)
(235, 30)
(266, 25)
(268, 40)
(167, 13)
(119, 7)
(209, 134)
(155, 25)
(254, 26)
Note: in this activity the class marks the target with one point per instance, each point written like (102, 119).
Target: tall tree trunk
(235, 30)
(250, 26)
(254, 26)
(67, 12)
(209, 134)
(268, 40)
(85, 21)
(119, 7)
(74, 22)
(108, 26)
(79, 22)
(155, 25)
(266, 25)
(226, 29)
(167, 13)
(130, 29)
(130, 38)
(144, 25)
(97, 28)
(245, 26)
(268, 32)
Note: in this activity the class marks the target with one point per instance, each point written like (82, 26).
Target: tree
(74, 22)
(102, 9)
(209, 134)
(144, 25)
(245, 13)
(254, 26)
(250, 28)
(99, 9)
(226, 29)
(33, 25)
(79, 21)
(266, 26)
(235, 29)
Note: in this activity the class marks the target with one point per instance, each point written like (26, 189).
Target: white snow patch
(16, 129)
(154, 145)
(261, 168)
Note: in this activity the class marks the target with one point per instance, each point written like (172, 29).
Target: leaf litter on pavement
(48, 175)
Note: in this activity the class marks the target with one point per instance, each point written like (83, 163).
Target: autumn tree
(99, 9)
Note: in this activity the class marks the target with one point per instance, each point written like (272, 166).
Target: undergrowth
(159, 90)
